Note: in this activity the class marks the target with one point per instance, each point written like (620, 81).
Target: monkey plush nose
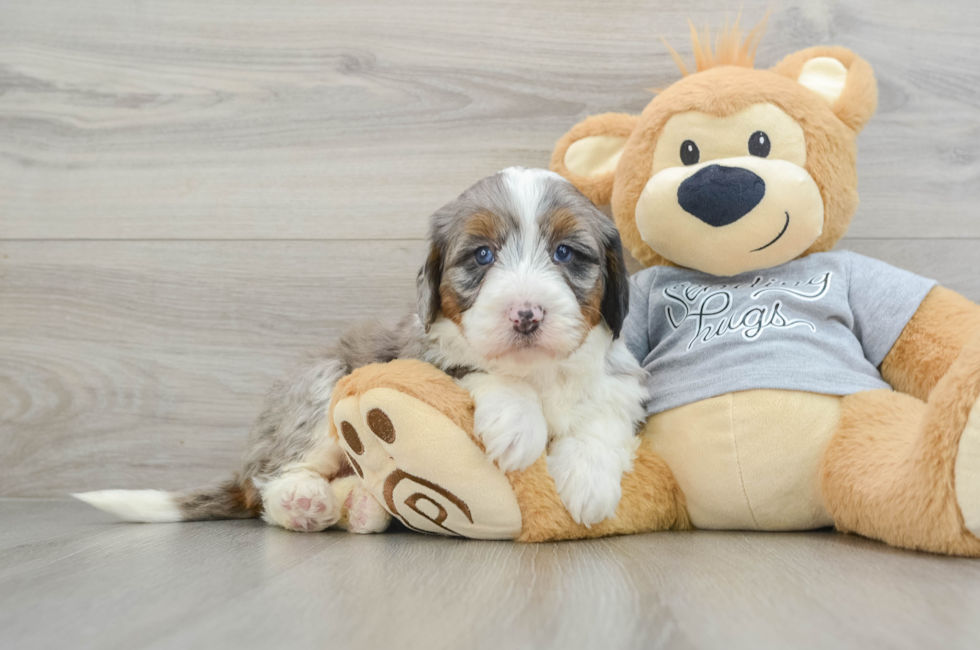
(526, 319)
(720, 195)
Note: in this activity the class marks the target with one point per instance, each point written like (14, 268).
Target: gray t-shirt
(821, 324)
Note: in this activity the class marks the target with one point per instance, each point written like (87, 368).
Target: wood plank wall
(191, 193)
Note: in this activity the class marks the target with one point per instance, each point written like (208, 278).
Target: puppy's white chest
(564, 403)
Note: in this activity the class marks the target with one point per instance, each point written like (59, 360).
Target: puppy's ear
(427, 284)
(616, 282)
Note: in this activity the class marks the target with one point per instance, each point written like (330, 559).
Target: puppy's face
(525, 266)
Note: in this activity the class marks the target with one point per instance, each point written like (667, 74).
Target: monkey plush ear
(839, 77)
(587, 155)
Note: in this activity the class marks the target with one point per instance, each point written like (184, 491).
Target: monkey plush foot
(405, 429)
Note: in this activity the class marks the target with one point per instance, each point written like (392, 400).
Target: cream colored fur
(595, 155)
(825, 76)
(967, 472)
(749, 460)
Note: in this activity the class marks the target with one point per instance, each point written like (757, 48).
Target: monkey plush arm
(930, 342)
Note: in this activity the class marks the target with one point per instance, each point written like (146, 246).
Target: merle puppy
(521, 297)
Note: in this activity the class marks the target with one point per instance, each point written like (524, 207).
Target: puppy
(521, 298)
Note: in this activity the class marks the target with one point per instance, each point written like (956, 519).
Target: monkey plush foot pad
(967, 472)
(422, 466)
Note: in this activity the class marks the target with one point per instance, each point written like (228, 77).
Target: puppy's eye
(759, 144)
(562, 254)
(484, 255)
(690, 154)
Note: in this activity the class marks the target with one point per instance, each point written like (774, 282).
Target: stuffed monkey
(791, 386)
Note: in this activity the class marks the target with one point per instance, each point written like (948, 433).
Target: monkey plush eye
(562, 254)
(690, 154)
(484, 255)
(759, 144)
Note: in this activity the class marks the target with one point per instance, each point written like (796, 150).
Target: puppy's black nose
(720, 195)
(526, 319)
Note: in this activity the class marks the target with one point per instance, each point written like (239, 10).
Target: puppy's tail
(230, 500)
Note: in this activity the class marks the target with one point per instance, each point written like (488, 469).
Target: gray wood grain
(333, 119)
(70, 577)
(144, 363)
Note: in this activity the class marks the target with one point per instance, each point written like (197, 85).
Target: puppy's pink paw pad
(365, 514)
(300, 502)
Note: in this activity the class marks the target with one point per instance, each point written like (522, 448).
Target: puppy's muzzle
(526, 319)
(720, 195)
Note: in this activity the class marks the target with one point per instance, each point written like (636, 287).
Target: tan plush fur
(831, 150)
(888, 471)
(730, 48)
(859, 100)
(415, 378)
(598, 189)
(651, 501)
(931, 342)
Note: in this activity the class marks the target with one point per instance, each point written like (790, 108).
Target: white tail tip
(148, 506)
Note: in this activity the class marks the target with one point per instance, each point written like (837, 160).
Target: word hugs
(712, 311)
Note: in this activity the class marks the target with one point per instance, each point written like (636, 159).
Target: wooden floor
(72, 578)
(193, 192)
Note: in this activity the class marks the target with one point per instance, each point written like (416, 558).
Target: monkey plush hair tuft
(730, 48)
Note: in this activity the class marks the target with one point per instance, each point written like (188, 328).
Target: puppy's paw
(588, 479)
(512, 427)
(301, 501)
(364, 514)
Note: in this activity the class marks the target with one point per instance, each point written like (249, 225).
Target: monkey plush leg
(907, 472)
(651, 501)
(406, 428)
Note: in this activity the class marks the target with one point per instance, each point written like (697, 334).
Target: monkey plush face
(731, 169)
